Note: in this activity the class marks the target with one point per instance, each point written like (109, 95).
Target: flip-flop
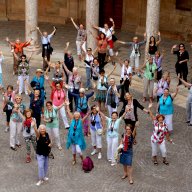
(124, 177)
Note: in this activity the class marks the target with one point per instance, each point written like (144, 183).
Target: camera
(93, 123)
(136, 51)
(152, 74)
(111, 129)
(50, 119)
(74, 134)
(28, 129)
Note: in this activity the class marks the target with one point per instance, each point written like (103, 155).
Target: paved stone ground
(17, 176)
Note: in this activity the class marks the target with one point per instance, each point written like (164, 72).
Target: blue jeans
(88, 77)
(42, 166)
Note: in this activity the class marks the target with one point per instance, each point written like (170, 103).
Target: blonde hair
(81, 90)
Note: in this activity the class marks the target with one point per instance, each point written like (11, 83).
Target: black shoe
(66, 127)
(187, 122)
(13, 148)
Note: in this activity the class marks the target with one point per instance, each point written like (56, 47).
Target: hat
(39, 70)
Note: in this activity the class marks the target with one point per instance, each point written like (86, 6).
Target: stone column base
(32, 48)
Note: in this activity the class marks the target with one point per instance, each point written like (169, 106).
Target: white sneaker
(46, 179)
(109, 160)
(6, 129)
(39, 182)
(94, 152)
(113, 164)
(60, 148)
(99, 155)
(26, 93)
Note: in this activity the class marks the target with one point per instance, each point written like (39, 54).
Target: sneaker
(13, 148)
(26, 93)
(6, 129)
(86, 89)
(113, 164)
(139, 75)
(99, 156)
(66, 127)
(60, 148)
(94, 152)
(39, 182)
(46, 179)
(109, 160)
(28, 159)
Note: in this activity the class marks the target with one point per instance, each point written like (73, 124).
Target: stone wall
(173, 22)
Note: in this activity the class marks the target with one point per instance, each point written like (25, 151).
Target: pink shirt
(58, 97)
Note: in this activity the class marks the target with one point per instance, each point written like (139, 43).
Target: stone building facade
(129, 15)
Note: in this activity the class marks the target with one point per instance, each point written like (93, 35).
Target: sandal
(131, 182)
(73, 162)
(165, 162)
(155, 162)
(13, 148)
(124, 177)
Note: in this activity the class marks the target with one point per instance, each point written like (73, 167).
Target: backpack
(87, 164)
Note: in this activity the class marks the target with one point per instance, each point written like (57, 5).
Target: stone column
(31, 22)
(152, 20)
(92, 18)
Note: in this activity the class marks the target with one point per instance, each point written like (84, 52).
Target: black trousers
(101, 59)
(71, 98)
(182, 70)
(124, 88)
(37, 118)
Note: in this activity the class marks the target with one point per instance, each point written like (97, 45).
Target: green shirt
(52, 115)
(150, 70)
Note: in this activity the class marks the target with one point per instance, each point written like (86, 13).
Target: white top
(46, 40)
(1, 61)
(125, 72)
(108, 33)
(89, 58)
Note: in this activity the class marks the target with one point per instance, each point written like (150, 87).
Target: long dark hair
(101, 34)
(151, 41)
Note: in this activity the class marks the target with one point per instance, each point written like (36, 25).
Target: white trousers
(111, 53)
(169, 122)
(112, 145)
(15, 131)
(76, 149)
(148, 87)
(110, 110)
(21, 80)
(162, 148)
(78, 45)
(96, 139)
(64, 116)
(55, 132)
(134, 61)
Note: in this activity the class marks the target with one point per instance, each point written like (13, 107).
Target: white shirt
(1, 61)
(89, 58)
(46, 40)
(108, 33)
(125, 72)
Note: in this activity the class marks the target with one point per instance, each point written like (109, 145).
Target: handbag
(100, 131)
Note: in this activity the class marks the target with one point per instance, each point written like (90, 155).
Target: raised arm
(172, 49)
(159, 38)
(95, 27)
(66, 69)
(38, 29)
(54, 30)
(68, 111)
(33, 124)
(112, 71)
(173, 95)
(8, 41)
(75, 25)
(112, 21)
(66, 47)
(185, 83)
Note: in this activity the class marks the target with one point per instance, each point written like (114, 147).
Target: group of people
(69, 100)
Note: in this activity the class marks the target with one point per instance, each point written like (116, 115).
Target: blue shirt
(113, 127)
(166, 105)
(97, 120)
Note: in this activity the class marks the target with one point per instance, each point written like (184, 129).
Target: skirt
(101, 95)
(126, 157)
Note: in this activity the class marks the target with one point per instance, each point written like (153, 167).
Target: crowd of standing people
(70, 99)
